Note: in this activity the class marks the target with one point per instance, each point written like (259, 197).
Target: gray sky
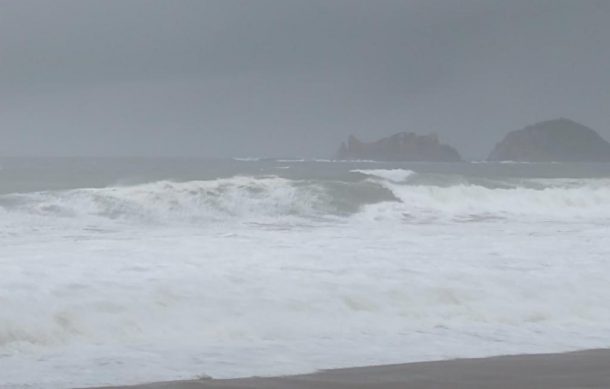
(286, 78)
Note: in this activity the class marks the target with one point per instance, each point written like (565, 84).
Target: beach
(582, 369)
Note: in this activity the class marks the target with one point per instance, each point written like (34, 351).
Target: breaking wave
(380, 194)
(394, 175)
(474, 202)
(221, 199)
(377, 259)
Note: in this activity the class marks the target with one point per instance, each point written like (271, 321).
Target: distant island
(558, 140)
(399, 147)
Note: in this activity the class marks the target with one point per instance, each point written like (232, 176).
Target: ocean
(120, 271)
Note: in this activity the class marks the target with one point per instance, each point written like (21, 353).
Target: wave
(395, 194)
(394, 175)
(246, 159)
(324, 160)
(467, 202)
(221, 199)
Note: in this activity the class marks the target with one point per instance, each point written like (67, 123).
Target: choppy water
(134, 270)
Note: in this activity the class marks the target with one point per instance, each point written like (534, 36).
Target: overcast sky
(288, 78)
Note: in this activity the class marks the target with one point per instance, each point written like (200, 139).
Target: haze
(292, 78)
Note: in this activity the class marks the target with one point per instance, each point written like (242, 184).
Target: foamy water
(261, 274)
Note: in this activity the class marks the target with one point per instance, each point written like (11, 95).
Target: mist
(299, 193)
(292, 78)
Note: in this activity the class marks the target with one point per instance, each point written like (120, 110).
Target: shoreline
(579, 369)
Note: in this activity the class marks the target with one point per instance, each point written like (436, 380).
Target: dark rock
(559, 140)
(399, 147)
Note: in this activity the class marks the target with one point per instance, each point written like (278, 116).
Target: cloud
(292, 77)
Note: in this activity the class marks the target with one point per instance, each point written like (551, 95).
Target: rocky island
(558, 140)
(399, 147)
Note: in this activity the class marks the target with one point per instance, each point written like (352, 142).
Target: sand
(583, 369)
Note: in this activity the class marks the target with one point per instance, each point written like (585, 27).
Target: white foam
(88, 308)
(551, 203)
(93, 293)
(394, 175)
(195, 201)
(271, 199)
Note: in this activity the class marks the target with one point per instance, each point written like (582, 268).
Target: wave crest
(381, 195)
(467, 202)
(393, 175)
(236, 197)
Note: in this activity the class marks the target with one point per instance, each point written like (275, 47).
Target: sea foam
(243, 198)
(264, 275)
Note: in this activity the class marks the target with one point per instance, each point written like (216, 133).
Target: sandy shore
(583, 369)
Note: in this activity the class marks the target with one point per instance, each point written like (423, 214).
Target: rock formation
(560, 140)
(399, 147)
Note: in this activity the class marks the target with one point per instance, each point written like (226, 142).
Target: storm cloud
(292, 78)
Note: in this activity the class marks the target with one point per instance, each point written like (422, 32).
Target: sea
(132, 270)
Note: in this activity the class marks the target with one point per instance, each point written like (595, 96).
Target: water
(118, 271)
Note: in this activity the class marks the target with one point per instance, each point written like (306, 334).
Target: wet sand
(583, 369)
